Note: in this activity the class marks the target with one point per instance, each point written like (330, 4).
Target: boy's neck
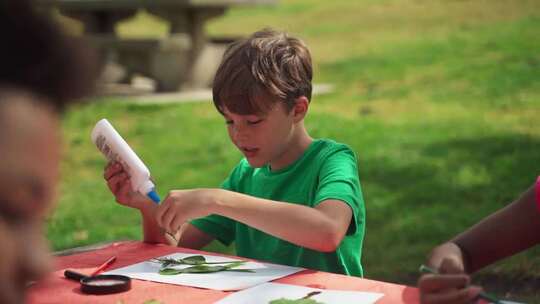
(298, 145)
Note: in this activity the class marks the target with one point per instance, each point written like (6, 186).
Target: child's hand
(452, 284)
(447, 259)
(447, 289)
(120, 185)
(181, 206)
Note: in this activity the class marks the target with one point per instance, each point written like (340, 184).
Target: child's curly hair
(37, 56)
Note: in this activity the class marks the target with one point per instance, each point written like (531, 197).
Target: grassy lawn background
(439, 99)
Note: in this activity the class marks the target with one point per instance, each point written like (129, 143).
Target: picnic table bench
(175, 61)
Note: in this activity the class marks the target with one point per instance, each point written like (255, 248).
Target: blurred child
(292, 199)
(29, 164)
(506, 232)
(41, 71)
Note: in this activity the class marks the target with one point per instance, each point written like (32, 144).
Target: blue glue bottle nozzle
(154, 196)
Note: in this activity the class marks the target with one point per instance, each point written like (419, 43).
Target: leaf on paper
(198, 266)
(305, 300)
(190, 260)
(194, 260)
(299, 301)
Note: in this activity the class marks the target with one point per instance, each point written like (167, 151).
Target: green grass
(440, 100)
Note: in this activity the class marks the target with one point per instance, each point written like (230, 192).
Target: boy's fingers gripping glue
(115, 149)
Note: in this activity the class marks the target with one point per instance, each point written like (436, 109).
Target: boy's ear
(300, 108)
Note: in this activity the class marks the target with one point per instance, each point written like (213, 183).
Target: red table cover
(57, 289)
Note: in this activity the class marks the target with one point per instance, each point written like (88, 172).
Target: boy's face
(264, 139)
(29, 166)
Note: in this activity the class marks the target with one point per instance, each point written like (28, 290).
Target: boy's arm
(502, 234)
(192, 237)
(152, 233)
(321, 228)
(188, 236)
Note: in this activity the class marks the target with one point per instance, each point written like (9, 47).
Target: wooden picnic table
(171, 60)
(57, 289)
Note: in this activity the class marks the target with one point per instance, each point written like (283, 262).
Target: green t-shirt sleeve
(338, 180)
(220, 227)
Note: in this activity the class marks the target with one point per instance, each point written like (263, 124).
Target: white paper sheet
(268, 292)
(223, 280)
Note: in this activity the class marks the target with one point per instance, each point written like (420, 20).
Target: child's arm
(506, 232)
(192, 237)
(321, 228)
(119, 184)
(502, 234)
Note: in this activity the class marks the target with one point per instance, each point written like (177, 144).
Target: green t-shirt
(326, 170)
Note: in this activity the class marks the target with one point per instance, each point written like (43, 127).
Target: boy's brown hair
(266, 68)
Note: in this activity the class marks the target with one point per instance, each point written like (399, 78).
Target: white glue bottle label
(116, 149)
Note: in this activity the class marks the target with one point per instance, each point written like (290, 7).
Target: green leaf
(194, 260)
(190, 260)
(169, 271)
(299, 301)
(192, 269)
(304, 300)
(204, 269)
(166, 262)
(200, 260)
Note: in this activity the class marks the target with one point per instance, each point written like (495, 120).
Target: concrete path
(198, 95)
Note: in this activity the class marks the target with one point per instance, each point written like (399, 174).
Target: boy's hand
(119, 183)
(452, 284)
(181, 206)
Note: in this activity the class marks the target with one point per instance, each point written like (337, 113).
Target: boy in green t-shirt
(292, 200)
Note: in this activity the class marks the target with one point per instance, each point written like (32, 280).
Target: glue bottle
(116, 149)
